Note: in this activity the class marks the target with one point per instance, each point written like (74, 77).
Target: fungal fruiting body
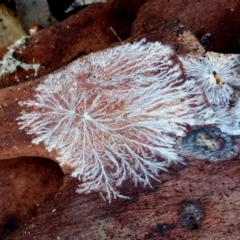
(216, 73)
(115, 115)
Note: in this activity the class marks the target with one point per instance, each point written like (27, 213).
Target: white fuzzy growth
(129, 64)
(232, 126)
(114, 115)
(226, 118)
(9, 63)
(226, 66)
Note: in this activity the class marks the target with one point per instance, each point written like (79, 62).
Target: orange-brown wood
(218, 17)
(156, 213)
(85, 32)
(16, 143)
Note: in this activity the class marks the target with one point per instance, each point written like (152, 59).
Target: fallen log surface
(193, 201)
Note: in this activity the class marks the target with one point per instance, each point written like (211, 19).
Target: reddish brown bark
(220, 18)
(156, 213)
(15, 143)
(27, 185)
(85, 32)
(209, 190)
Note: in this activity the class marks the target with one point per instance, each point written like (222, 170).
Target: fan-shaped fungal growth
(216, 72)
(208, 144)
(114, 115)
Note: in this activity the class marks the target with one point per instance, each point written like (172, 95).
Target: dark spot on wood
(10, 223)
(206, 40)
(191, 214)
(163, 228)
(208, 143)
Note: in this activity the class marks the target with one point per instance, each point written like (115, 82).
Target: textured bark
(15, 143)
(197, 201)
(159, 213)
(85, 32)
(27, 184)
(218, 17)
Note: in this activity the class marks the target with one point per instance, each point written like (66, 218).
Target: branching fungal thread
(114, 115)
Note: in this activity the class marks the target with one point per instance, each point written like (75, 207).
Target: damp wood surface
(87, 31)
(156, 213)
(16, 143)
(220, 18)
(150, 213)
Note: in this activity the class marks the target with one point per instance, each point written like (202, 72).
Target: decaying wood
(198, 200)
(27, 185)
(220, 18)
(85, 32)
(168, 211)
(16, 143)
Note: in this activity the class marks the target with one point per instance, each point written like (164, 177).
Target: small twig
(114, 32)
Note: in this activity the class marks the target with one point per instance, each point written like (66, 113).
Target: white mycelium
(226, 118)
(216, 72)
(114, 115)
(9, 63)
